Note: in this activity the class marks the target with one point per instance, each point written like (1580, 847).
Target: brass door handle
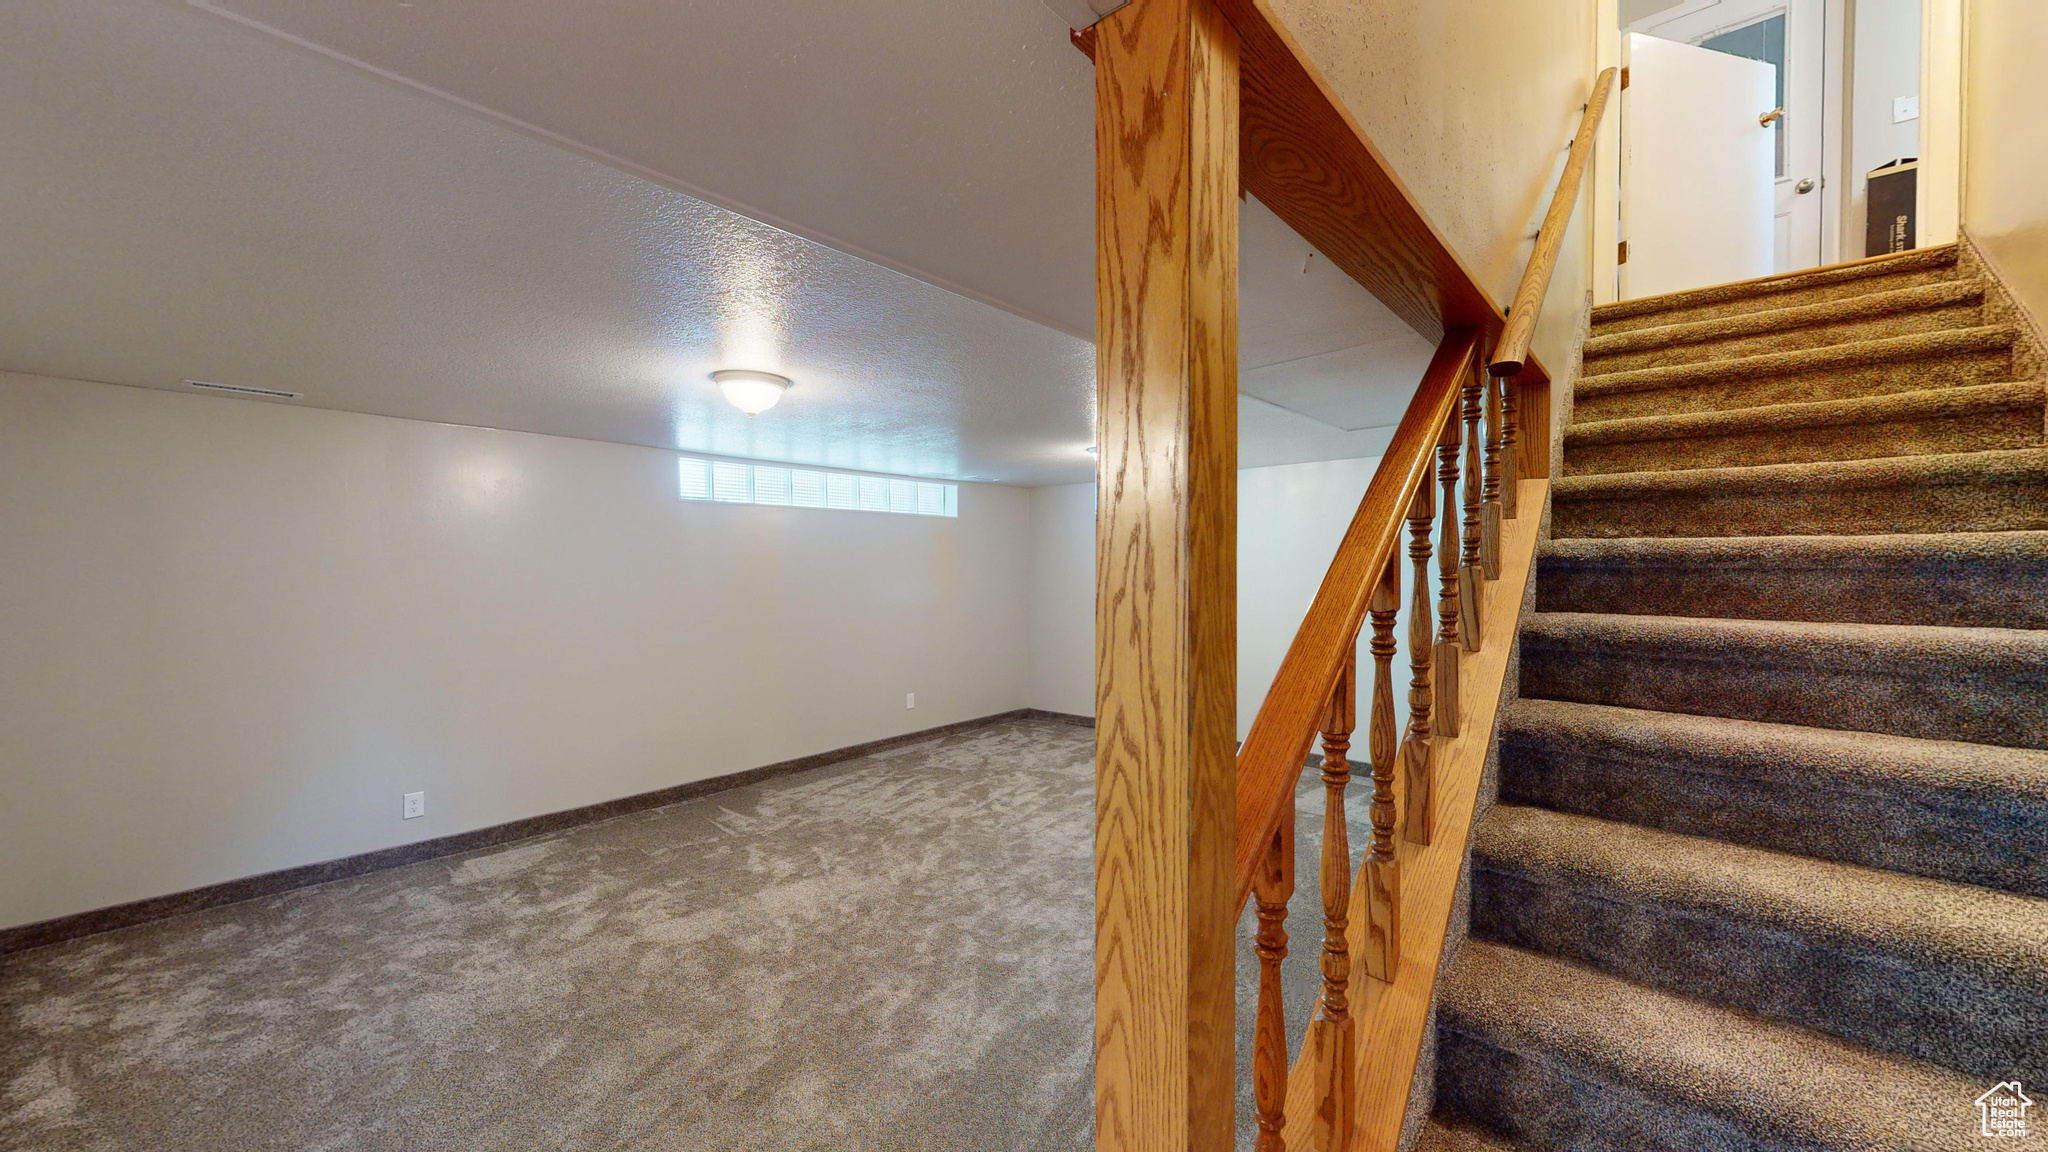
(1768, 118)
(1804, 186)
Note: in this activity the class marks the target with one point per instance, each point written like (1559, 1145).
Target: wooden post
(1382, 867)
(1490, 511)
(1166, 180)
(1449, 648)
(1471, 577)
(1332, 1031)
(1271, 891)
(1417, 758)
(1510, 448)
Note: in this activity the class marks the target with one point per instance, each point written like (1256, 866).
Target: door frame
(1939, 206)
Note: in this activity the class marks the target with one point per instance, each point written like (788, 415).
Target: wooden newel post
(1332, 1031)
(1166, 204)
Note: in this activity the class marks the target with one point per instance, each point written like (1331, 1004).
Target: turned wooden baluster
(1471, 577)
(1417, 749)
(1448, 648)
(1333, 1031)
(1490, 510)
(1382, 869)
(1272, 888)
(1510, 455)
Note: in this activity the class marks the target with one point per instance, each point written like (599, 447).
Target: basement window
(735, 482)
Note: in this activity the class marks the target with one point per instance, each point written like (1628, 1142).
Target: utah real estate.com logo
(2003, 1110)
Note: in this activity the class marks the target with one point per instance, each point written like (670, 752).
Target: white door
(1698, 200)
(1793, 34)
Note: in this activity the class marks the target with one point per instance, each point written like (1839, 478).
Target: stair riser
(1992, 842)
(1727, 394)
(1841, 290)
(1547, 1102)
(1966, 315)
(2018, 503)
(1981, 701)
(1952, 1014)
(1977, 431)
(1965, 594)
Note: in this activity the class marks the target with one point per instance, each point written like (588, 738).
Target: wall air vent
(245, 390)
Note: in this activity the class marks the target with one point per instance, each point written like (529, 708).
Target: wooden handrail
(1278, 744)
(1512, 353)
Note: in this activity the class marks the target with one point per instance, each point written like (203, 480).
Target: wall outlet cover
(910, 699)
(415, 805)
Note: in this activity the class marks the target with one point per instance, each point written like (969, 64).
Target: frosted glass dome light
(750, 392)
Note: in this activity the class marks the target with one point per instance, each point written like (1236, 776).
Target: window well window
(733, 482)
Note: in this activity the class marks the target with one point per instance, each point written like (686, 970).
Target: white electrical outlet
(1905, 108)
(415, 804)
(910, 699)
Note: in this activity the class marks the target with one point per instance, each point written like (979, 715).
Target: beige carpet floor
(891, 953)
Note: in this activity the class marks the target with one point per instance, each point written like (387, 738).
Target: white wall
(1885, 63)
(1290, 519)
(236, 632)
(1063, 599)
(2006, 151)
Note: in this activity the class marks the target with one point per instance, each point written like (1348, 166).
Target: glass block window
(733, 482)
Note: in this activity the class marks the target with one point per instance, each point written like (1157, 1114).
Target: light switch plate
(910, 699)
(1905, 108)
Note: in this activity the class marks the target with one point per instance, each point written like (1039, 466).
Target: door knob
(1804, 186)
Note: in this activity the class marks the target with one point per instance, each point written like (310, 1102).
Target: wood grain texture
(1391, 1017)
(1490, 512)
(1510, 451)
(1382, 870)
(1471, 621)
(1448, 644)
(1418, 812)
(1308, 159)
(1532, 401)
(1278, 744)
(1166, 540)
(1512, 356)
(1331, 1027)
(1271, 891)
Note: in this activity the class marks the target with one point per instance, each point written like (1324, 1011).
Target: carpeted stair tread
(1912, 362)
(1924, 307)
(1966, 813)
(1998, 491)
(1924, 265)
(1442, 1134)
(1565, 1056)
(1964, 579)
(1969, 418)
(1977, 685)
(1945, 972)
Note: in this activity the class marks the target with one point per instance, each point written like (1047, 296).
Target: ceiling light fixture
(750, 391)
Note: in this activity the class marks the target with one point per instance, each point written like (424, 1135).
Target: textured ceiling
(184, 198)
(952, 140)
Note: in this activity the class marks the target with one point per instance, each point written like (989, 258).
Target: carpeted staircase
(1769, 866)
